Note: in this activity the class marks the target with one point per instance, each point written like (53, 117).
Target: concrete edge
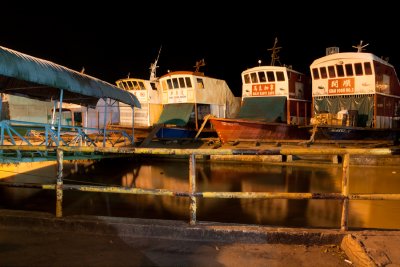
(134, 227)
(122, 227)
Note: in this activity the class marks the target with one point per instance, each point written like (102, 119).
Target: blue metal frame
(51, 133)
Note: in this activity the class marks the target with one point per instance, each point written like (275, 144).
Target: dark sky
(118, 38)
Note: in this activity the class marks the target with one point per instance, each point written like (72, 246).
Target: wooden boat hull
(327, 132)
(247, 130)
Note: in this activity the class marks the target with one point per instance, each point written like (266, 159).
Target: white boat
(190, 97)
(356, 96)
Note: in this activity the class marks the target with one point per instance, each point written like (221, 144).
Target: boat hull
(229, 130)
(176, 133)
(356, 133)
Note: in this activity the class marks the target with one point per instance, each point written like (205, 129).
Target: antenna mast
(275, 50)
(199, 64)
(360, 47)
(153, 67)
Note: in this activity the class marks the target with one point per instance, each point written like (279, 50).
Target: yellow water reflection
(378, 213)
(227, 177)
(28, 169)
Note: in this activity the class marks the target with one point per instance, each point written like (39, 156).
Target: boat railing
(23, 133)
(194, 194)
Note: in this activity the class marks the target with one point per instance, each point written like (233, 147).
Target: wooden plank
(150, 136)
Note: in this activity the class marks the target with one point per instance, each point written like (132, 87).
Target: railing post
(192, 188)
(105, 122)
(60, 117)
(133, 124)
(345, 191)
(59, 191)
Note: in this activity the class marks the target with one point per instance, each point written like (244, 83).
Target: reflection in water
(216, 177)
(379, 213)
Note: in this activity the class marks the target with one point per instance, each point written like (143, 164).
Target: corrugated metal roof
(32, 77)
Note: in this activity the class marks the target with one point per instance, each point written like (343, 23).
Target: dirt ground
(23, 247)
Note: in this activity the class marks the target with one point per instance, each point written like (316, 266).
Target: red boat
(251, 130)
(276, 101)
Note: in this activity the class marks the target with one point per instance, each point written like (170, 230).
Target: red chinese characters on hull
(341, 86)
(263, 89)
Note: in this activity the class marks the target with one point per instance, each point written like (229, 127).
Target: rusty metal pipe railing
(344, 195)
(59, 186)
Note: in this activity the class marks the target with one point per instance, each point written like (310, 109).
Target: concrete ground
(40, 239)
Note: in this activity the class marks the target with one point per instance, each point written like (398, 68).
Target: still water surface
(211, 176)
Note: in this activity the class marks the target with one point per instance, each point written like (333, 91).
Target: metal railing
(22, 133)
(194, 195)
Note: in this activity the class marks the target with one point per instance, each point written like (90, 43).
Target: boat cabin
(355, 89)
(149, 96)
(276, 94)
(188, 96)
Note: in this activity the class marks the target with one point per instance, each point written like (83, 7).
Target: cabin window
(181, 82)
(188, 82)
(200, 83)
(349, 69)
(153, 86)
(358, 69)
(175, 83)
(246, 78)
(340, 70)
(142, 86)
(261, 77)
(169, 82)
(315, 73)
(122, 85)
(135, 85)
(367, 68)
(280, 76)
(271, 76)
(331, 72)
(324, 74)
(253, 76)
(131, 85)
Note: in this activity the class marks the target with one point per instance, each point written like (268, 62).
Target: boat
(355, 95)
(148, 92)
(189, 98)
(276, 100)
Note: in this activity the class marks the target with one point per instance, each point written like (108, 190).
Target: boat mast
(274, 56)
(199, 64)
(360, 47)
(153, 67)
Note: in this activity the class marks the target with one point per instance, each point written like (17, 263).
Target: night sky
(118, 38)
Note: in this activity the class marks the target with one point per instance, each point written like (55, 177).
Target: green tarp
(268, 109)
(177, 114)
(364, 104)
(35, 78)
